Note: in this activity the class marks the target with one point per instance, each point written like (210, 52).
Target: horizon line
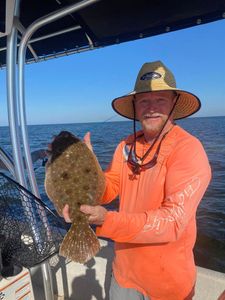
(125, 120)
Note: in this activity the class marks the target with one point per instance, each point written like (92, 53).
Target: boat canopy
(103, 23)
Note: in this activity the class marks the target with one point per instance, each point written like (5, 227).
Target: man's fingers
(87, 140)
(96, 214)
(66, 213)
(87, 137)
(90, 211)
(87, 209)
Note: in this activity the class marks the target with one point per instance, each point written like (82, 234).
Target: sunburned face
(152, 110)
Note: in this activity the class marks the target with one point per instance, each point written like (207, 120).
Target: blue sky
(80, 87)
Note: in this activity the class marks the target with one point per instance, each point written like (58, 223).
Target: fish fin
(80, 243)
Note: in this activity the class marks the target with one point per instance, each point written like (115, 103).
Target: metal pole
(12, 103)
(7, 162)
(14, 130)
(21, 61)
(13, 115)
(40, 38)
(22, 113)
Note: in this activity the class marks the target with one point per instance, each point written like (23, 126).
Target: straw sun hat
(155, 76)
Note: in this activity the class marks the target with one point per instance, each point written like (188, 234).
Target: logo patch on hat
(150, 75)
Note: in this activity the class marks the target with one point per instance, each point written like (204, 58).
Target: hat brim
(187, 105)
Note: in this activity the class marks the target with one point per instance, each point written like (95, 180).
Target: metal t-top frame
(17, 111)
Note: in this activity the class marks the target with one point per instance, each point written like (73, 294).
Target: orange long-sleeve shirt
(155, 228)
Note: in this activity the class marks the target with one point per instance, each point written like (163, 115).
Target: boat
(34, 31)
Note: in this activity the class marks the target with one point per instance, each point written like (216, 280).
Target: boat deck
(91, 281)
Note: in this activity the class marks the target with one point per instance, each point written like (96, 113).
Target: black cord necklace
(137, 165)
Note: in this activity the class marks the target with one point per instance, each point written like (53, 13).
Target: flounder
(74, 177)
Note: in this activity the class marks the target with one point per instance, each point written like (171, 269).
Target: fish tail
(80, 243)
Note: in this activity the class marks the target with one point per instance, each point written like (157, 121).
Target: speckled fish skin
(74, 177)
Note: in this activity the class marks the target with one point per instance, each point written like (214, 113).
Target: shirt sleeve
(188, 175)
(112, 176)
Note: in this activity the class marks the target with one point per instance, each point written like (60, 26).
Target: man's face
(153, 109)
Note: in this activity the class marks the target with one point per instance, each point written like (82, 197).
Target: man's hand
(96, 213)
(66, 213)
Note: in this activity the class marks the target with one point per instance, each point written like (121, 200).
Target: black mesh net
(29, 231)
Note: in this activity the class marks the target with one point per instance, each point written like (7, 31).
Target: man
(160, 174)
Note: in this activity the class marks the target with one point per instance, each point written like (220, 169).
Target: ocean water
(210, 246)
